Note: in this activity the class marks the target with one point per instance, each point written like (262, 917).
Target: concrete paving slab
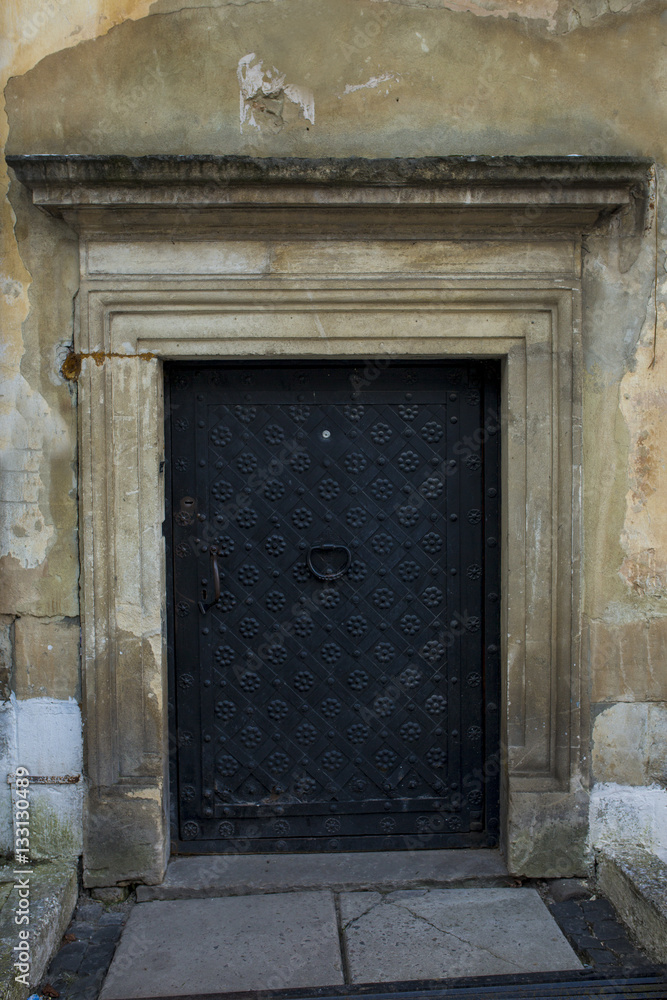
(271, 942)
(443, 933)
(238, 874)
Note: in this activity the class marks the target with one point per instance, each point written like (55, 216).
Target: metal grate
(645, 988)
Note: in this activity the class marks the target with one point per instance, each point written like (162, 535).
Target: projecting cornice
(400, 197)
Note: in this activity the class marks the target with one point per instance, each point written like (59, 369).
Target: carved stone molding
(417, 196)
(125, 334)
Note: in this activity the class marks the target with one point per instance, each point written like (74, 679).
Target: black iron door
(335, 615)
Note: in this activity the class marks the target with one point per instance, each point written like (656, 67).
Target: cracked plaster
(558, 16)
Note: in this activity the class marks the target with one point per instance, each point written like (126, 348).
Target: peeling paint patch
(375, 81)
(176, 6)
(10, 288)
(621, 815)
(558, 16)
(30, 430)
(643, 404)
(263, 93)
(628, 744)
(544, 10)
(58, 750)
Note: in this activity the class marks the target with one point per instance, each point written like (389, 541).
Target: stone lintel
(523, 194)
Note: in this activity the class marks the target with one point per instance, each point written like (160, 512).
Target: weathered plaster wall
(346, 77)
(39, 629)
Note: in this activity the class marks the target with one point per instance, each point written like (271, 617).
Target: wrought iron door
(335, 618)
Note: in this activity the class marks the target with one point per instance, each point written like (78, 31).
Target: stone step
(249, 874)
(53, 888)
(634, 880)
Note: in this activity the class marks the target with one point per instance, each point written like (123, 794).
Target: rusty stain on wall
(71, 366)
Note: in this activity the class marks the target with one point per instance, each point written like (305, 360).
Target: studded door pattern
(357, 712)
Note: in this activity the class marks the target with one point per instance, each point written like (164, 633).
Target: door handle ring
(329, 573)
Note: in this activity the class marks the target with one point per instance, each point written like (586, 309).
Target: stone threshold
(207, 876)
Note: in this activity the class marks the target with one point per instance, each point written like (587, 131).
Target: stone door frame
(309, 267)
(122, 506)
